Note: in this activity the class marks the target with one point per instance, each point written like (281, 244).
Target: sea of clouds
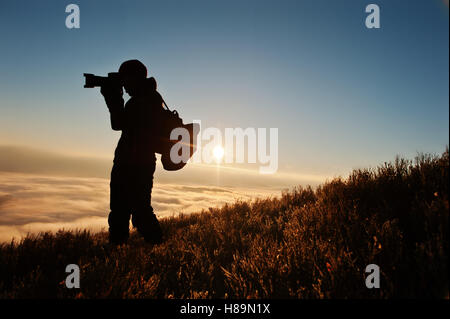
(42, 191)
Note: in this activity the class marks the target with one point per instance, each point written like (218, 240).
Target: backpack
(171, 120)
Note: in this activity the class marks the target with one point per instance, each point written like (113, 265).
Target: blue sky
(341, 95)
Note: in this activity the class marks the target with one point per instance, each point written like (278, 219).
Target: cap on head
(134, 68)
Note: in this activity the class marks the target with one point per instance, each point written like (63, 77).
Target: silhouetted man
(134, 160)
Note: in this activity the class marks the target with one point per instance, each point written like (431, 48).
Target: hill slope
(306, 244)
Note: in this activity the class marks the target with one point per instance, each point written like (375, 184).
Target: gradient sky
(341, 95)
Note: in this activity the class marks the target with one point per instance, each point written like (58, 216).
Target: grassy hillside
(309, 243)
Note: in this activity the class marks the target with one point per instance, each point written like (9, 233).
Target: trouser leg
(143, 217)
(119, 217)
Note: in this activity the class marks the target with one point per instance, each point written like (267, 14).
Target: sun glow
(218, 153)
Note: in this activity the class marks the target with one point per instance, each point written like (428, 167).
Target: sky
(342, 96)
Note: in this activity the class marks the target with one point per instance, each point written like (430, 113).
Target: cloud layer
(33, 203)
(42, 191)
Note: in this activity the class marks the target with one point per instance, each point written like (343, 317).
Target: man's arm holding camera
(114, 101)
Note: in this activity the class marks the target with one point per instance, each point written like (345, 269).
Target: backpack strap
(165, 104)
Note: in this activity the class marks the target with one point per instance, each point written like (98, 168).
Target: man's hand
(113, 98)
(111, 91)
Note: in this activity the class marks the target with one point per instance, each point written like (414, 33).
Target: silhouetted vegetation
(309, 243)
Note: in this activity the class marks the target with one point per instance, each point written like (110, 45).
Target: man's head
(133, 73)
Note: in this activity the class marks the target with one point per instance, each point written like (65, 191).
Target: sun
(218, 153)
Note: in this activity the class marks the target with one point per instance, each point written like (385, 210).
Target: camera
(112, 80)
